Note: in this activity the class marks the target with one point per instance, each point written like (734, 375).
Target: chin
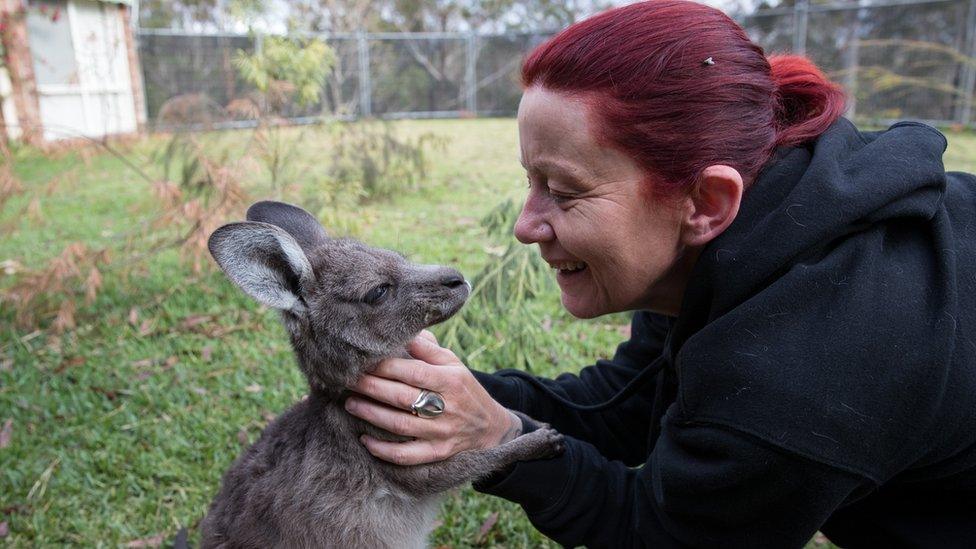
(582, 309)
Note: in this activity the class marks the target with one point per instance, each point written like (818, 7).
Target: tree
(183, 14)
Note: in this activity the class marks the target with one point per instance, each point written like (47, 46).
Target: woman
(804, 298)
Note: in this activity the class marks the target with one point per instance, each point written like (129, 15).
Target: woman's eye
(376, 294)
(559, 198)
(544, 183)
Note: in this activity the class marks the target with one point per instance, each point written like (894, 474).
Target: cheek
(632, 258)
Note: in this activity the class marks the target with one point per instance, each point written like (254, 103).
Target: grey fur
(308, 481)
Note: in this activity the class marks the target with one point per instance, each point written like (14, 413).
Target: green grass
(122, 431)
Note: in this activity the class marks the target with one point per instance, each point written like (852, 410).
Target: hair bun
(807, 102)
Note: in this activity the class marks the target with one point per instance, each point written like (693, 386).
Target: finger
(413, 372)
(415, 452)
(428, 335)
(391, 419)
(430, 352)
(387, 391)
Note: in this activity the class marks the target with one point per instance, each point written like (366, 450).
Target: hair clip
(708, 62)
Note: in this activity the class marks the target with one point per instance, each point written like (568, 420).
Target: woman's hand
(471, 418)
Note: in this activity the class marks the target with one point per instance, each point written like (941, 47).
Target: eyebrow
(550, 166)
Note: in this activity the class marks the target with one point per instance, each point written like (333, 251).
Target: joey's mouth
(438, 315)
(448, 307)
(568, 267)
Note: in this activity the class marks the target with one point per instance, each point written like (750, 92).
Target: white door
(81, 67)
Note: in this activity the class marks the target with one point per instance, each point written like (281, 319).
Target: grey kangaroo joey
(308, 481)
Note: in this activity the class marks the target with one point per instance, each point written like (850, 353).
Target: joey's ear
(264, 260)
(301, 225)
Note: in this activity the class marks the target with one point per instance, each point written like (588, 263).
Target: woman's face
(612, 248)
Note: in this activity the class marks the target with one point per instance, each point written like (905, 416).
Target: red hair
(643, 72)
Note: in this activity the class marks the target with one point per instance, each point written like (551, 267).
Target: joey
(308, 481)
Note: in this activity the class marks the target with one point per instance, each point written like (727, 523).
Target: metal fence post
(801, 14)
(471, 74)
(969, 69)
(365, 85)
(852, 63)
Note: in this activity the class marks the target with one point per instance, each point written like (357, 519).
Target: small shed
(70, 70)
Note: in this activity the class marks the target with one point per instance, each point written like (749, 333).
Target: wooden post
(20, 67)
(4, 132)
(135, 69)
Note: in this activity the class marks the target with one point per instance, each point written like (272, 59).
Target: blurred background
(97, 68)
(132, 372)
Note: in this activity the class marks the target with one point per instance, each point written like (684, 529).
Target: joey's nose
(452, 280)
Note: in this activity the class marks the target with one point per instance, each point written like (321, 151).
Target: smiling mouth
(568, 267)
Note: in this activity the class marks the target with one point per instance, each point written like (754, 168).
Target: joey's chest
(406, 520)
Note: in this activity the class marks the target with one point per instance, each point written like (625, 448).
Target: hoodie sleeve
(702, 486)
(612, 431)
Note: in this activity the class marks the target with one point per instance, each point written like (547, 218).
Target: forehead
(557, 129)
(347, 255)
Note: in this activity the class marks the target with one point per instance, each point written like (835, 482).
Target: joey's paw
(544, 442)
(554, 444)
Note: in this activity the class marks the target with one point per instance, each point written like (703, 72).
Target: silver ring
(428, 404)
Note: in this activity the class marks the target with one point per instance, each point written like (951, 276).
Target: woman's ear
(712, 205)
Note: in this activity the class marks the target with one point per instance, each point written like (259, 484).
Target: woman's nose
(531, 226)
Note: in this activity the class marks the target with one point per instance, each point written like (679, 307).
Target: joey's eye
(375, 295)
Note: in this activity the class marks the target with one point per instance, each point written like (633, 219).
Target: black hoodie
(820, 375)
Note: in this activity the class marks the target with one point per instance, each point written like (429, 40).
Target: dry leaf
(199, 390)
(268, 416)
(4, 529)
(242, 436)
(70, 363)
(109, 394)
(52, 186)
(171, 361)
(34, 211)
(145, 328)
(154, 541)
(92, 284)
(486, 527)
(10, 267)
(6, 433)
(6, 365)
(206, 353)
(54, 344)
(134, 317)
(144, 363)
(9, 184)
(195, 320)
(66, 317)
(253, 388)
(547, 324)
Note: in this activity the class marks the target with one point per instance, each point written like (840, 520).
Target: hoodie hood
(824, 320)
(808, 197)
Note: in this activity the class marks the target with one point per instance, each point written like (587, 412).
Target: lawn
(120, 428)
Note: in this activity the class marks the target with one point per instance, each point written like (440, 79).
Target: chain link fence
(897, 60)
